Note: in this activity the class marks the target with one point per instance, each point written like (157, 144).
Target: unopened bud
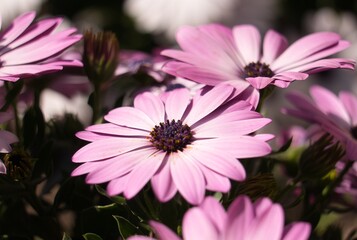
(100, 56)
(261, 185)
(321, 157)
(18, 164)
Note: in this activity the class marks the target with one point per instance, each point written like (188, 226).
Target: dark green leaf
(91, 236)
(126, 228)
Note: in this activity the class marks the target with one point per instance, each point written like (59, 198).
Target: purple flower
(336, 115)
(30, 48)
(132, 62)
(243, 220)
(181, 143)
(214, 53)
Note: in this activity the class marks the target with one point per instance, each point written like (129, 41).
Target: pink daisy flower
(181, 143)
(336, 115)
(29, 48)
(243, 220)
(214, 53)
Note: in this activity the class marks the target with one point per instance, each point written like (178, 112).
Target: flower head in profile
(243, 220)
(178, 142)
(30, 48)
(336, 115)
(214, 53)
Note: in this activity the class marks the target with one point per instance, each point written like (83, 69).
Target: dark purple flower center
(171, 136)
(353, 132)
(257, 69)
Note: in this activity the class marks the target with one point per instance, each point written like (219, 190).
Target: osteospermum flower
(6, 138)
(243, 220)
(181, 143)
(336, 115)
(29, 48)
(213, 53)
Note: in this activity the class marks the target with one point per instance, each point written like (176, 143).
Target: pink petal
(117, 185)
(247, 39)
(90, 136)
(34, 31)
(187, 177)
(221, 162)
(290, 76)
(270, 224)
(239, 147)
(350, 103)
(2, 168)
(130, 117)
(240, 214)
(176, 103)
(162, 183)
(17, 27)
(151, 105)
(162, 232)
(8, 137)
(339, 46)
(215, 212)
(122, 164)
(214, 181)
(112, 129)
(305, 47)
(297, 231)
(197, 225)
(274, 44)
(4, 146)
(200, 74)
(259, 82)
(29, 69)
(208, 103)
(38, 50)
(106, 148)
(142, 173)
(329, 104)
(226, 129)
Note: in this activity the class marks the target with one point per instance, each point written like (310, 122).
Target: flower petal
(196, 217)
(187, 177)
(130, 117)
(151, 105)
(247, 39)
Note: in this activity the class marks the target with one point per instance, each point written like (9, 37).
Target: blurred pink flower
(6, 138)
(29, 48)
(243, 220)
(131, 62)
(336, 115)
(181, 143)
(214, 53)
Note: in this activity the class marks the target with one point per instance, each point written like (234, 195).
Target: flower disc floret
(171, 136)
(257, 69)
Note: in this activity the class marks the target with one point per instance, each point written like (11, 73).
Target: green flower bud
(100, 56)
(320, 158)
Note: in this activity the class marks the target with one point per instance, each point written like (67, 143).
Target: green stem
(96, 104)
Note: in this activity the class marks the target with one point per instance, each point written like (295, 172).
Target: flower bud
(320, 158)
(100, 56)
(18, 164)
(261, 185)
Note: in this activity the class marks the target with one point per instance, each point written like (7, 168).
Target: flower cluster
(176, 144)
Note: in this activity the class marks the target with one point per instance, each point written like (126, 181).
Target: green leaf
(91, 236)
(66, 237)
(126, 228)
(116, 199)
